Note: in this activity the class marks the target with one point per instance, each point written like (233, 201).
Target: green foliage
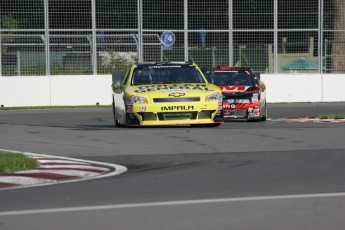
(330, 116)
(8, 22)
(12, 162)
(111, 61)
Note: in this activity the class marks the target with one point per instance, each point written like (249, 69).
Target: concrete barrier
(63, 90)
(91, 90)
(293, 88)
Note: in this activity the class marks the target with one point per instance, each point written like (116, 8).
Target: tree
(7, 22)
(338, 58)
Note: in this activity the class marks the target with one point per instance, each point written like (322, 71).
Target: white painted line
(169, 203)
(76, 167)
(309, 120)
(75, 172)
(22, 180)
(118, 169)
(58, 161)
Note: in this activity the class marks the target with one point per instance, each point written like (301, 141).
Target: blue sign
(168, 38)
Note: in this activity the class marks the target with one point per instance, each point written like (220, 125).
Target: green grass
(12, 162)
(330, 116)
(55, 107)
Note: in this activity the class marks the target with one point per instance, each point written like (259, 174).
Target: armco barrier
(90, 90)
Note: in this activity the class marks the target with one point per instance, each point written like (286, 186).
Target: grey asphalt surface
(268, 175)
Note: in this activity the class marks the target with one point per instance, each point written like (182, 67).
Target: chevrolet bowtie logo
(176, 94)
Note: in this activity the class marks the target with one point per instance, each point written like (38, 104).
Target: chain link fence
(90, 37)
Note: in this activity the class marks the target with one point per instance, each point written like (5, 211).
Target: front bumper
(246, 111)
(174, 114)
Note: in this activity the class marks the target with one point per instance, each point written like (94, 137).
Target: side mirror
(117, 87)
(257, 74)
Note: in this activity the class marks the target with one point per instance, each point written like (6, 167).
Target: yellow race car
(169, 93)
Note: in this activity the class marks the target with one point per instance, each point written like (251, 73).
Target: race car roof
(164, 64)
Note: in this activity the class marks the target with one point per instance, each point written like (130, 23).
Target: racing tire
(264, 117)
(213, 125)
(197, 125)
(116, 122)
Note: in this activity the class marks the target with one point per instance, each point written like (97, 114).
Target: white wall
(333, 87)
(81, 90)
(304, 88)
(55, 90)
(293, 88)
(90, 90)
(24, 91)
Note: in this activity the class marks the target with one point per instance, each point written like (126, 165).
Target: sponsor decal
(225, 71)
(255, 98)
(130, 109)
(229, 106)
(244, 101)
(229, 100)
(185, 87)
(175, 91)
(177, 108)
(232, 88)
(255, 112)
(176, 94)
(164, 66)
(249, 106)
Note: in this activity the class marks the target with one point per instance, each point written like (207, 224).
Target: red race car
(244, 94)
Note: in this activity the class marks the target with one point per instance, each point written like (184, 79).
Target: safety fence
(92, 37)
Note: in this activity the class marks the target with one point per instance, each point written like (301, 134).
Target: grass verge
(330, 116)
(12, 162)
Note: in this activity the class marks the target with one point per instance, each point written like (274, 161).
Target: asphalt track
(241, 175)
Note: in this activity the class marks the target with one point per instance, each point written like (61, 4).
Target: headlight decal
(214, 97)
(136, 100)
(255, 98)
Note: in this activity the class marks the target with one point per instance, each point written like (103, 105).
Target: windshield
(166, 75)
(222, 78)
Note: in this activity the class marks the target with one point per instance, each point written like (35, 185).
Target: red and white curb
(54, 170)
(309, 119)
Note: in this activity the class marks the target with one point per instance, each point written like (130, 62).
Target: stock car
(167, 93)
(244, 94)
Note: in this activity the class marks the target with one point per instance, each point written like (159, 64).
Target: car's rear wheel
(264, 116)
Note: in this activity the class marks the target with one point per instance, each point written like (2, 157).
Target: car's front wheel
(116, 122)
(213, 125)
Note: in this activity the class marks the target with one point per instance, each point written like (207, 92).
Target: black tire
(213, 125)
(264, 117)
(116, 122)
(196, 125)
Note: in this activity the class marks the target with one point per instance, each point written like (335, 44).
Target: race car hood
(172, 90)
